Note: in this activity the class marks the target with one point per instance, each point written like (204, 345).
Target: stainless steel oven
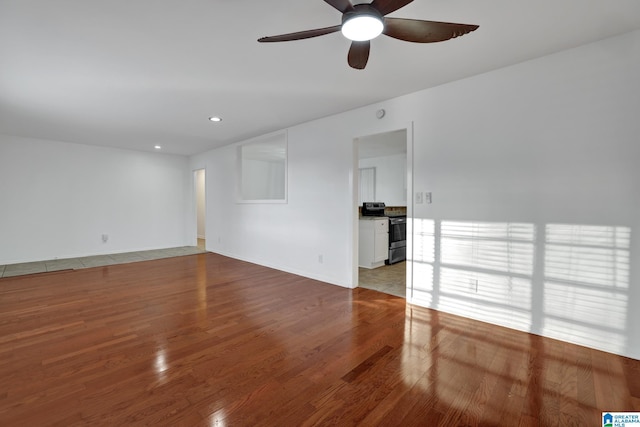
(397, 239)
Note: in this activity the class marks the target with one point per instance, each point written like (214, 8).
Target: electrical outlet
(419, 197)
(320, 258)
(427, 198)
(105, 237)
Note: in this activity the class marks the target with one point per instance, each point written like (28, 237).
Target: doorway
(199, 177)
(382, 172)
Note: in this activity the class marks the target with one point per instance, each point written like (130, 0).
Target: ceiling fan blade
(418, 31)
(387, 6)
(359, 54)
(300, 35)
(342, 5)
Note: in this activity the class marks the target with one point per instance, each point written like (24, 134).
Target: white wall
(57, 199)
(200, 202)
(535, 214)
(391, 178)
(534, 175)
(291, 236)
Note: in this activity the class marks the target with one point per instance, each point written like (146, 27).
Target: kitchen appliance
(397, 239)
(397, 231)
(372, 209)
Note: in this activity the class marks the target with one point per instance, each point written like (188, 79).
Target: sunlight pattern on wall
(477, 269)
(565, 281)
(586, 284)
(486, 270)
(499, 246)
(424, 257)
(424, 230)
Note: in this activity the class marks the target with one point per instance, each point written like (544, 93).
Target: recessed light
(157, 147)
(215, 119)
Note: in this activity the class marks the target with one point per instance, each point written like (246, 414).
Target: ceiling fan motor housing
(361, 10)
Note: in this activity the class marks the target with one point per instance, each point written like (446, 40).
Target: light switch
(419, 198)
(427, 197)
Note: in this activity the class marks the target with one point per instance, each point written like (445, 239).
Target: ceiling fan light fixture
(362, 24)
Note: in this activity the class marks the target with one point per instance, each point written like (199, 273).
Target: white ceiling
(382, 144)
(135, 73)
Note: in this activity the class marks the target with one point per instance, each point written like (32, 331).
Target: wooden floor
(208, 340)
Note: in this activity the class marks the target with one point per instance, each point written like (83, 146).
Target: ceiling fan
(363, 22)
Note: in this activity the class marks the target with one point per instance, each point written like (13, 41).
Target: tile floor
(390, 279)
(12, 270)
